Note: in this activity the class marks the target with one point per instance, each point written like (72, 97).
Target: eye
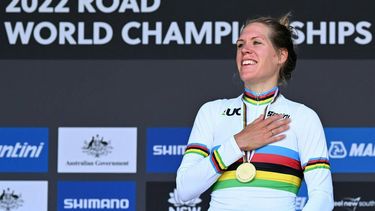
(239, 45)
(256, 42)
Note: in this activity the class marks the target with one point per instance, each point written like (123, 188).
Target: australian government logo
(178, 205)
(10, 200)
(97, 147)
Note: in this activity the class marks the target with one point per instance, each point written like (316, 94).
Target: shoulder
(300, 109)
(219, 104)
(303, 117)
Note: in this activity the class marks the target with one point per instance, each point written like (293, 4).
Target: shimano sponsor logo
(179, 205)
(337, 149)
(96, 203)
(350, 203)
(20, 150)
(168, 149)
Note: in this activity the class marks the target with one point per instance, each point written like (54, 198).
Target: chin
(247, 77)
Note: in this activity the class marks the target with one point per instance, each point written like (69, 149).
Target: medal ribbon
(248, 155)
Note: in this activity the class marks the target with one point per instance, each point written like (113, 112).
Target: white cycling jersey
(212, 156)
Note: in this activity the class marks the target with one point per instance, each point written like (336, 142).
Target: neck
(260, 98)
(260, 87)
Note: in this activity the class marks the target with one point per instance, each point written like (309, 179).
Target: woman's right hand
(262, 132)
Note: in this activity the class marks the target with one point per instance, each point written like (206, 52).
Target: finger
(279, 123)
(279, 130)
(271, 119)
(259, 119)
(276, 138)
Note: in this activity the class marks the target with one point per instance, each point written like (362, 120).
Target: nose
(246, 48)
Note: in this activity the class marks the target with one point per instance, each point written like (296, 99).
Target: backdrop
(98, 97)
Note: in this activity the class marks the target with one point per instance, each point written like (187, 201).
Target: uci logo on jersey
(231, 112)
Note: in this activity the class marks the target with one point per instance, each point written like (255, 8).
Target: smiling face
(258, 62)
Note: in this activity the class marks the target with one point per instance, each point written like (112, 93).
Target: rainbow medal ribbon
(247, 171)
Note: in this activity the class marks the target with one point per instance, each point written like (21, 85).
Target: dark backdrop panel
(165, 93)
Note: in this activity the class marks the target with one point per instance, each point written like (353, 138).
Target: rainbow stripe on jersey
(277, 168)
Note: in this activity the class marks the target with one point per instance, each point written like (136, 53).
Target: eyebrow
(242, 40)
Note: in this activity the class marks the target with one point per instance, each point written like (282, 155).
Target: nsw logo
(180, 205)
(10, 200)
(349, 203)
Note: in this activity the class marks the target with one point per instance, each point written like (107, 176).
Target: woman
(254, 150)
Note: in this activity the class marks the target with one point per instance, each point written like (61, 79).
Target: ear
(283, 55)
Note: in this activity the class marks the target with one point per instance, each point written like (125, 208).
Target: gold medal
(245, 172)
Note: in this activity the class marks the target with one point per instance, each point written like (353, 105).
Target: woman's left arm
(314, 160)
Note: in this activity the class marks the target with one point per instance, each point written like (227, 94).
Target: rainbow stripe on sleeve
(197, 148)
(316, 163)
(216, 161)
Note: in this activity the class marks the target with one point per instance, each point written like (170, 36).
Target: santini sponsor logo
(96, 203)
(21, 150)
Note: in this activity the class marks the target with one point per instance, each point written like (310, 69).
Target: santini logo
(21, 150)
(168, 149)
(179, 205)
(96, 204)
(337, 150)
(10, 200)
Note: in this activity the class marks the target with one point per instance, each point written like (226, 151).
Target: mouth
(247, 62)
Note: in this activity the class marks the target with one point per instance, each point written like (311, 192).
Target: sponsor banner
(96, 196)
(351, 150)
(165, 148)
(352, 196)
(23, 149)
(97, 150)
(23, 195)
(162, 196)
(159, 29)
